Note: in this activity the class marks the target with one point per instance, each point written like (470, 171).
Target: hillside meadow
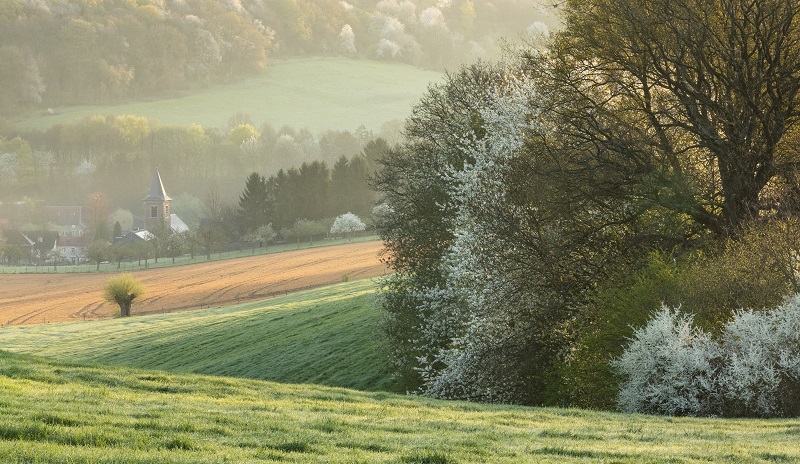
(159, 403)
(327, 336)
(318, 93)
(56, 412)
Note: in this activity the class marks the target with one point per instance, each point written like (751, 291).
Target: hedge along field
(318, 93)
(54, 412)
(38, 298)
(328, 336)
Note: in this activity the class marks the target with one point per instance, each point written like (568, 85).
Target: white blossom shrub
(347, 223)
(670, 368)
(347, 40)
(85, 168)
(762, 370)
(496, 330)
(673, 368)
(9, 167)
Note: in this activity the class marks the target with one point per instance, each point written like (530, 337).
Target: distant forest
(70, 162)
(105, 51)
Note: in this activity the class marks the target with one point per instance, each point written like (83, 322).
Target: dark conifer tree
(253, 204)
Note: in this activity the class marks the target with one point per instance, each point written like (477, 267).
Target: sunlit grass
(328, 336)
(69, 405)
(319, 93)
(53, 412)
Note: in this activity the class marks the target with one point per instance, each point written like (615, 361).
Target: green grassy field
(328, 336)
(54, 412)
(159, 405)
(318, 93)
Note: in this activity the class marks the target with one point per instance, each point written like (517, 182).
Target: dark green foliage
(639, 136)
(254, 204)
(350, 191)
(627, 300)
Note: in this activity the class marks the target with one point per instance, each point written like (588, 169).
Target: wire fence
(240, 251)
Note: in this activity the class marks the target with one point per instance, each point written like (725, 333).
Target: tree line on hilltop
(116, 155)
(541, 206)
(95, 52)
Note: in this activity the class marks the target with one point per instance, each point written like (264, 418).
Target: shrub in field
(670, 368)
(123, 290)
(761, 376)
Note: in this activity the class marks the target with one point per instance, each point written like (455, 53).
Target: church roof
(157, 192)
(177, 224)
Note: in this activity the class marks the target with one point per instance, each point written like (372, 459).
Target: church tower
(156, 206)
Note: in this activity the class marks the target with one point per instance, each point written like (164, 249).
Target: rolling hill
(318, 93)
(56, 412)
(328, 336)
(68, 404)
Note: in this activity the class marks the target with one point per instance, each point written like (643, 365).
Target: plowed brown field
(40, 298)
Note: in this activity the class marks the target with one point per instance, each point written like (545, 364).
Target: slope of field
(318, 93)
(32, 298)
(328, 336)
(54, 412)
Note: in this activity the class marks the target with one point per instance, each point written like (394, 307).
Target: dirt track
(44, 298)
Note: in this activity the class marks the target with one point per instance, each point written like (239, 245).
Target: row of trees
(58, 53)
(541, 205)
(312, 192)
(208, 238)
(115, 154)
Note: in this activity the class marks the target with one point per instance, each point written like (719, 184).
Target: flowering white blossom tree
(347, 40)
(487, 315)
(347, 224)
(9, 167)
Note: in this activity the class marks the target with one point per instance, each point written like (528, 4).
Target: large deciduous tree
(682, 104)
(521, 188)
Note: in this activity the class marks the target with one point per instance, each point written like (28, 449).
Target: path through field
(44, 298)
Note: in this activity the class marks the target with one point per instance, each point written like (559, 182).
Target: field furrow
(44, 298)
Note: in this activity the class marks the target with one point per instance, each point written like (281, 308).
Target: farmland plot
(45, 298)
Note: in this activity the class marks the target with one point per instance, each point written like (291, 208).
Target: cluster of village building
(62, 233)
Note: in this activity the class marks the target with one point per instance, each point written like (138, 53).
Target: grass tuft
(53, 419)
(179, 442)
(293, 447)
(429, 458)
